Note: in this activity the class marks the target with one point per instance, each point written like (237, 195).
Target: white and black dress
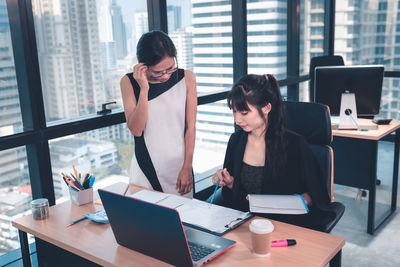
(160, 150)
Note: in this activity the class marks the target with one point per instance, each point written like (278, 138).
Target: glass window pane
(311, 38)
(266, 37)
(106, 153)
(15, 195)
(84, 48)
(202, 33)
(367, 32)
(214, 126)
(390, 107)
(10, 112)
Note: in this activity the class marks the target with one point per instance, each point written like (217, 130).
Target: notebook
(277, 204)
(157, 231)
(199, 214)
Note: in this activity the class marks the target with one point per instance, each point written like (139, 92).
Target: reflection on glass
(103, 152)
(266, 37)
(15, 195)
(84, 48)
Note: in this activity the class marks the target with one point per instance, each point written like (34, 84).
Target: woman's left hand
(185, 181)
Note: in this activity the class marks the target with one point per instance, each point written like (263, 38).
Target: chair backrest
(322, 61)
(313, 121)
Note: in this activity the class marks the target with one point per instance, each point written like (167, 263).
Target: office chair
(312, 120)
(321, 61)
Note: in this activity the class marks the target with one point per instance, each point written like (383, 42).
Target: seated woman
(263, 157)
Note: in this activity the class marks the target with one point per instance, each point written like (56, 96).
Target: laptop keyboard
(199, 251)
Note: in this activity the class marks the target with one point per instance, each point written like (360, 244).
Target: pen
(215, 190)
(71, 183)
(85, 183)
(76, 173)
(74, 222)
(126, 189)
(283, 243)
(91, 181)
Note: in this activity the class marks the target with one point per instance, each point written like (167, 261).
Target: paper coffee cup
(261, 230)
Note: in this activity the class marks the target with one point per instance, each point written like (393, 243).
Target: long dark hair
(259, 90)
(153, 47)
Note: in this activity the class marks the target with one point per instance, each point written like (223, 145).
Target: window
(266, 37)
(15, 195)
(10, 111)
(202, 34)
(104, 38)
(311, 38)
(103, 152)
(372, 45)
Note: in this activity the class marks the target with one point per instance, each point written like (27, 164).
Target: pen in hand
(215, 190)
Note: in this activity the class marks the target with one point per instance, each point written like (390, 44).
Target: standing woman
(264, 157)
(160, 103)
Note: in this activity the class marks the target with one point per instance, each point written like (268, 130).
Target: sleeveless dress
(160, 151)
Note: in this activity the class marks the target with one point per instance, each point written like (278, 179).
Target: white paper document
(278, 204)
(195, 212)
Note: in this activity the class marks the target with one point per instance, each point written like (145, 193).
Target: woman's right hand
(139, 73)
(225, 178)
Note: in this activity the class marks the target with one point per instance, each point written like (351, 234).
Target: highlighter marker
(283, 243)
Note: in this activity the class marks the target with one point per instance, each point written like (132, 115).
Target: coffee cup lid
(261, 226)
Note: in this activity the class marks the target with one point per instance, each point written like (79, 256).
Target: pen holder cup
(81, 197)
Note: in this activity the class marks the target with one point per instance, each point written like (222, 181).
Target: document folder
(277, 204)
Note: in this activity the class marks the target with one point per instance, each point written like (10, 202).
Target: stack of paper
(278, 204)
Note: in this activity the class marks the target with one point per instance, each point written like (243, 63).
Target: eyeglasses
(159, 74)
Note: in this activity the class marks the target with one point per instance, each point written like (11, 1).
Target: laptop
(157, 231)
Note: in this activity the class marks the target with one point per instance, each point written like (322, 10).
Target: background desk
(97, 243)
(355, 154)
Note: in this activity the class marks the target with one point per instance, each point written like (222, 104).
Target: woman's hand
(139, 73)
(225, 178)
(307, 199)
(185, 181)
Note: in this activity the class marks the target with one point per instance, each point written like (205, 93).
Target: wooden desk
(96, 242)
(355, 162)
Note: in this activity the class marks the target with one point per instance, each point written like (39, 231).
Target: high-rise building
(212, 60)
(212, 53)
(183, 42)
(118, 30)
(367, 33)
(10, 112)
(69, 57)
(174, 14)
(267, 37)
(141, 25)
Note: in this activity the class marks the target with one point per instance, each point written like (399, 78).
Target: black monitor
(365, 81)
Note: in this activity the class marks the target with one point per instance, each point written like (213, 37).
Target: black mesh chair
(312, 120)
(322, 61)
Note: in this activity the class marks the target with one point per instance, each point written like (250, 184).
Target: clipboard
(198, 214)
(232, 225)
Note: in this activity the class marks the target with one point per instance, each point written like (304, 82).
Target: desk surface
(377, 134)
(96, 242)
